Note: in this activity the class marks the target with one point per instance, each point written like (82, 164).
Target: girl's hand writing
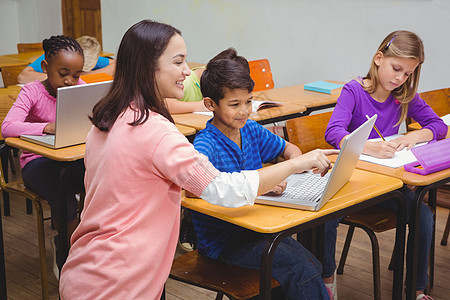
(49, 128)
(380, 149)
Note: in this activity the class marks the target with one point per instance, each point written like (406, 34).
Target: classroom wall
(304, 40)
(28, 21)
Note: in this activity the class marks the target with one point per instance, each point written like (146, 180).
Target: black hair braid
(58, 43)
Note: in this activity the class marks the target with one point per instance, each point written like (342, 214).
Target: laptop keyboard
(49, 139)
(309, 187)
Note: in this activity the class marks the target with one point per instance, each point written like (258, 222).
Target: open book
(256, 105)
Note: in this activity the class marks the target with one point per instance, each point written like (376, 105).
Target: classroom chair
(308, 133)
(29, 47)
(6, 101)
(17, 187)
(261, 74)
(10, 73)
(439, 100)
(96, 77)
(232, 281)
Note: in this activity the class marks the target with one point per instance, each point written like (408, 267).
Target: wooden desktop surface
(12, 90)
(198, 121)
(269, 219)
(71, 153)
(298, 95)
(28, 57)
(63, 154)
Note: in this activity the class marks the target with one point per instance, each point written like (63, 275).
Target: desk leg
(432, 198)
(399, 251)
(266, 265)
(63, 242)
(2, 263)
(4, 167)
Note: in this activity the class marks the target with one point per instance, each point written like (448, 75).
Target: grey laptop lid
(73, 106)
(339, 176)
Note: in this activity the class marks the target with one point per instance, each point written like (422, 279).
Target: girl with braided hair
(34, 113)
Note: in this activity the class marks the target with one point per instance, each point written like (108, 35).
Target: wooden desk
(263, 116)
(65, 156)
(8, 60)
(425, 184)
(12, 90)
(363, 190)
(296, 94)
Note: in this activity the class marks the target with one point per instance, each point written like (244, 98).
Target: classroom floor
(23, 273)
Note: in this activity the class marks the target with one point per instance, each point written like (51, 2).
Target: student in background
(136, 164)
(233, 143)
(93, 63)
(34, 113)
(390, 90)
(192, 99)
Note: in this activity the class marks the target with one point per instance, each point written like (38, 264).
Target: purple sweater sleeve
(339, 122)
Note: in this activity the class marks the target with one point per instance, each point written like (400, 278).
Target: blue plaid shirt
(259, 146)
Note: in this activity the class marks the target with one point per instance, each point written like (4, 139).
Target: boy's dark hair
(231, 53)
(224, 73)
(57, 43)
(134, 79)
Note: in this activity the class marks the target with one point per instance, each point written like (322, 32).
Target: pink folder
(433, 157)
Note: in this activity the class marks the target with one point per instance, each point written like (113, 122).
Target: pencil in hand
(376, 129)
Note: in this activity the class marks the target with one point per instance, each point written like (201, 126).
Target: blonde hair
(404, 44)
(91, 49)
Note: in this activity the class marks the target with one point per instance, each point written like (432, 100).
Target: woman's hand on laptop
(49, 128)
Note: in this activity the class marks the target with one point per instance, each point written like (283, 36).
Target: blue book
(323, 87)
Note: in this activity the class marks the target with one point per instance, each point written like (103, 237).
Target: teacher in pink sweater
(136, 164)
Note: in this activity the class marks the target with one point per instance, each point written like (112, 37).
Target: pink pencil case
(433, 157)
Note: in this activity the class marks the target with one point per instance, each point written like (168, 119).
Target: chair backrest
(439, 100)
(262, 74)
(6, 101)
(11, 73)
(29, 47)
(308, 132)
(96, 77)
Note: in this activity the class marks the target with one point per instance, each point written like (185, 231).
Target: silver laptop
(310, 191)
(73, 106)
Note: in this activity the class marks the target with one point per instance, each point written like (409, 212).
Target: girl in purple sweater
(389, 90)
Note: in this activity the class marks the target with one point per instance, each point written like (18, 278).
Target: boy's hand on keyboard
(316, 160)
(279, 188)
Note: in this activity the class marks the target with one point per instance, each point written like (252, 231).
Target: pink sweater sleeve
(20, 120)
(175, 158)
